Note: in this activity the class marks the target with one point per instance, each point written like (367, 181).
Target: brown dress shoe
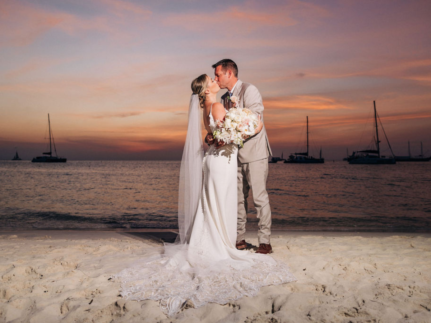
(264, 248)
(241, 245)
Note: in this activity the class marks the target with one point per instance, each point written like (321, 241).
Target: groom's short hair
(227, 64)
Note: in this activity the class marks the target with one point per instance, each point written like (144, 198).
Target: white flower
(228, 123)
(237, 124)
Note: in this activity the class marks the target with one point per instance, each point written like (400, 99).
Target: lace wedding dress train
(208, 268)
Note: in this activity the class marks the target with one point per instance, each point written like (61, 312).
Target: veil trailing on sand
(190, 188)
(203, 267)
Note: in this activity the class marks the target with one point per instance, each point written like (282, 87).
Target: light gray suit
(252, 166)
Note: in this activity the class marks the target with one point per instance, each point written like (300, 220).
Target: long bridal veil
(202, 267)
(190, 188)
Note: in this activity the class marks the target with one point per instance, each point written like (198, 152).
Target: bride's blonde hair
(199, 86)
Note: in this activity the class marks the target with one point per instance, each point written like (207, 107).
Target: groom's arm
(253, 100)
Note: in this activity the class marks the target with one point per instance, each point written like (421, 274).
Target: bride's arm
(206, 124)
(218, 111)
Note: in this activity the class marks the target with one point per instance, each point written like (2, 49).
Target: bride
(204, 265)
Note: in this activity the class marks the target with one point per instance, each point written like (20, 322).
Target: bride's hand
(219, 144)
(209, 139)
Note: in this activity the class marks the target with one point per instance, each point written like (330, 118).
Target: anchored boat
(49, 158)
(305, 158)
(16, 157)
(372, 156)
(410, 158)
(274, 160)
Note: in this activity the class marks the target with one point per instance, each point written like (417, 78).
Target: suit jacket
(256, 147)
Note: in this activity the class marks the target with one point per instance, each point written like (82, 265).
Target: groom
(252, 158)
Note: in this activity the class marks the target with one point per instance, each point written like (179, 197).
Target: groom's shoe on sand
(264, 248)
(241, 245)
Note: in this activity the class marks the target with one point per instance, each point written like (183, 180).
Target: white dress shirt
(231, 92)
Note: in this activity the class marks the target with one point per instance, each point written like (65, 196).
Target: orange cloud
(21, 25)
(303, 102)
(109, 115)
(35, 64)
(123, 9)
(131, 80)
(415, 70)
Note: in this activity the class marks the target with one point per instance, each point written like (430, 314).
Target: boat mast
(307, 135)
(410, 155)
(377, 129)
(422, 150)
(49, 125)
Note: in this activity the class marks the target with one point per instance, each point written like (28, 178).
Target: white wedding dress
(208, 268)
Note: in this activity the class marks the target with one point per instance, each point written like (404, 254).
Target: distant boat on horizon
(16, 157)
(409, 158)
(372, 156)
(304, 158)
(49, 158)
(274, 160)
(347, 156)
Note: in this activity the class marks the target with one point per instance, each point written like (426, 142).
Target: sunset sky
(115, 75)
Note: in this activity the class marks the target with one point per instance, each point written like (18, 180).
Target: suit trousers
(254, 176)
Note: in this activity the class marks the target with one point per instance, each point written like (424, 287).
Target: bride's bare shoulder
(218, 111)
(218, 106)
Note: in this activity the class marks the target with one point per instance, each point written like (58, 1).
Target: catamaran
(411, 158)
(49, 158)
(372, 156)
(305, 158)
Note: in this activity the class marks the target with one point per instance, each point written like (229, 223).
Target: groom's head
(226, 73)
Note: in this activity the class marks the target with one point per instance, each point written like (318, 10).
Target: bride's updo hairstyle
(199, 86)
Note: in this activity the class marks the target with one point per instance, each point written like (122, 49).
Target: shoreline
(63, 276)
(249, 228)
(250, 232)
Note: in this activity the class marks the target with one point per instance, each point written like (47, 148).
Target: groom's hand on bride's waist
(209, 138)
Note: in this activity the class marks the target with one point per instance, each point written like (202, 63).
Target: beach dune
(64, 276)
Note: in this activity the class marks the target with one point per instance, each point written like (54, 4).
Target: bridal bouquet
(236, 126)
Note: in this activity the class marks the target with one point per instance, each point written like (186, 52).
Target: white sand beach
(63, 276)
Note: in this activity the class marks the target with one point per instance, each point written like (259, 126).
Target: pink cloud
(246, 18)
(21, 24)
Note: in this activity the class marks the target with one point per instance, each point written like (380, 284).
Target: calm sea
(143, 194)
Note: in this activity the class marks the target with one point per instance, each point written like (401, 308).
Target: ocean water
(143, 194)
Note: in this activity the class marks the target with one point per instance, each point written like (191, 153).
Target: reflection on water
(143, 194)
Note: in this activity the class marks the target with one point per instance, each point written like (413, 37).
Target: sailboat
(274, 160)
(347, 156)
(372, 156)
(304, 158)
(409, 158)
(16, 157)
(49, 158)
